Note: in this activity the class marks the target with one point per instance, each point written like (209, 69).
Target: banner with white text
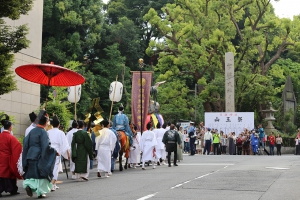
(230, 121)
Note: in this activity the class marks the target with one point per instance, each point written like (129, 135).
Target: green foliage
(197, 34)
(11, 118)
(59, 106)
(12, 40)
(14, 8)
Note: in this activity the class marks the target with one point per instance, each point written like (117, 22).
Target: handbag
(196, 142)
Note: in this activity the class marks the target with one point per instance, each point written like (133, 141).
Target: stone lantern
(270, 118)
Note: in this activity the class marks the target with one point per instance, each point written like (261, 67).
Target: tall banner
(140, 93)
(230, 121)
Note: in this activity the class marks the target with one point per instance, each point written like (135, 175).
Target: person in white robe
(60, 143)
(105, 144)
(147, 145)
(32, 117)
(70, 138)
(135, 151)
(160, 148)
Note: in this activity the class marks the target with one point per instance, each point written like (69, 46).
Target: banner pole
(112, 102)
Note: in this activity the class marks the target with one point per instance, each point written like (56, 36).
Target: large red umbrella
(49, 75)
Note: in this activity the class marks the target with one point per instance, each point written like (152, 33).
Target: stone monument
(289, 98)
(229, 82)
(270, 118)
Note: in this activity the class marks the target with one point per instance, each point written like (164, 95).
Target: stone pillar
(229, 82)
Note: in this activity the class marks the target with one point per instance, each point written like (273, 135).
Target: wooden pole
(75, 117)
(112, 102)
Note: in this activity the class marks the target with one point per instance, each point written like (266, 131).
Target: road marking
(180, 184)
(276, 168)
(148, 196)
(205, 164)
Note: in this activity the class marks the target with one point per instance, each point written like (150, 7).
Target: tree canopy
(198, 33)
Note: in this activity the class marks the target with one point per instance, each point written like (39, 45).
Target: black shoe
(28, 191)
(158, 163)
(112, 171)
(175, 164)
(169, 165)
(14, 193)
(160, 160)
(42, 196)
(98, 174)
(0, 195)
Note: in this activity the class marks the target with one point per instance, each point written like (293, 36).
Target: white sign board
(184, 125)
(230, 121)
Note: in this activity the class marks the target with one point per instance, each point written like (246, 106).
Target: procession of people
(45, 146)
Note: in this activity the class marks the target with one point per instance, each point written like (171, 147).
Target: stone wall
(26, 98)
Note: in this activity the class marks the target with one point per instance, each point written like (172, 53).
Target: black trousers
(192, 145)
(278, 146)
(169, 157)
(216, 148)
(8, 185)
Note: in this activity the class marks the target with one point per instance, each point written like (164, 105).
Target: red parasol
(49, 75)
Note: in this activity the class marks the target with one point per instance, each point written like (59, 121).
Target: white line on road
(148, 196)
(178, 185)
(205, 164)
(276, 168)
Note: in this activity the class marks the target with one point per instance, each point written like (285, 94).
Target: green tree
(134, 10)
(71, 34)
(198, 33)
(12, 40)
(59, 106)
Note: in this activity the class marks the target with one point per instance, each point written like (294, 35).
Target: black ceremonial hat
(32, 116)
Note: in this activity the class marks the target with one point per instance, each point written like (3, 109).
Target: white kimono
(134, 155)
(60, 143)
(160, 147)
(70, 138)
(147, 144)
(105, 144)
(32, 126)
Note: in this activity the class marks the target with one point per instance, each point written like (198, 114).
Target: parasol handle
(75, 117)
(112, 102)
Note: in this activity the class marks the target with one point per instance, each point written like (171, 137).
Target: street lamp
(141, 64)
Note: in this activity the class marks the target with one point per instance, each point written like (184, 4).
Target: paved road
(197, 177)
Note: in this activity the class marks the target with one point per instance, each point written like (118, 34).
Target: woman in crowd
(186, 140)
(278, 144)
(224, 141)
(239, 144)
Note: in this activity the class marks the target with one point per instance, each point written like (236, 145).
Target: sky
(283, 8)
(286, 8)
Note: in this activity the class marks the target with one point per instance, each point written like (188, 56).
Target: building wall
(26, 98)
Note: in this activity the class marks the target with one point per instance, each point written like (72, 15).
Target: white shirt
(59, 141)
(70, 135)
(208, 136)
(106, 140)
(32, 126)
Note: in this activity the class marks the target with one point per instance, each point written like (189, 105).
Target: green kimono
(82, 147)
